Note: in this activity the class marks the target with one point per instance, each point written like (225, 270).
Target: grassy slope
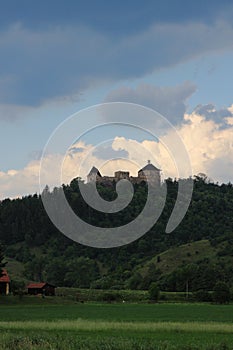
(174, 257)
(15, 269)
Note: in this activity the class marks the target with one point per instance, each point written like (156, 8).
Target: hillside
(199, 248)
(188, 253)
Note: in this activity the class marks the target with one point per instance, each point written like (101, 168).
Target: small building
(4, 283)
(41, 288)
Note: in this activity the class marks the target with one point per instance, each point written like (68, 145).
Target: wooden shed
(4, 283)
(43, 288)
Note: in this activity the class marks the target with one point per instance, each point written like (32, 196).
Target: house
(41, 288)
(4, 283)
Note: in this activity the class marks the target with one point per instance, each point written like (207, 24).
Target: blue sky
(58, 57)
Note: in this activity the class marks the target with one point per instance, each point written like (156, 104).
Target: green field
(116, 326)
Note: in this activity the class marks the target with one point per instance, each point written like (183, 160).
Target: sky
(58, 58)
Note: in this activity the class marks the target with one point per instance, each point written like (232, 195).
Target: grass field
(116, 326)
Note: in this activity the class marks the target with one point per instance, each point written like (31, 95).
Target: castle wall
(94, 178)
(152, 175)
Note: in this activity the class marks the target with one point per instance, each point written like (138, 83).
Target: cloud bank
(63, 60)
(210, 148)
(168, 101)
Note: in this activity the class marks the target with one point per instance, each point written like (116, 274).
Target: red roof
(36, 285)
(5, 278)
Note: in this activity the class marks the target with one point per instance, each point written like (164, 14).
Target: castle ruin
(149, 172)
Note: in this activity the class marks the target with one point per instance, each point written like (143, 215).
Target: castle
(149, 172)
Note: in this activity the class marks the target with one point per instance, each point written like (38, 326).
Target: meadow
(93, 326)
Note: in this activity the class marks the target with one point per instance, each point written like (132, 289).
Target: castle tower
(94, 175)
(119, 175)
(151, 173)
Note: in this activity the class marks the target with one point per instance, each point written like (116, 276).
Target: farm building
(41, 288)
(5, 283)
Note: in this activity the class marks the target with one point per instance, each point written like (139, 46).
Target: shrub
(154, 292)
(111, 296)
(18, 287)
(221, 293)
(203, 295)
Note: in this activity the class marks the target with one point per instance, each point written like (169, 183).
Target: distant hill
(200, 249)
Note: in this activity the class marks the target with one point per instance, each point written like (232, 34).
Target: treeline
(49, 255)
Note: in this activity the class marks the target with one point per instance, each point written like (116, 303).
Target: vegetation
(194, 257)
(154, 292)
(2, 263)
(222, 294)
(116, 326)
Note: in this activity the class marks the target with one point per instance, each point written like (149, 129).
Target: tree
(81, 273)
(135, 281)
(154, 292)
(222, 294)
(56, 270)
(18, 287)
(34, 269)
(2, 264)
(152, 275)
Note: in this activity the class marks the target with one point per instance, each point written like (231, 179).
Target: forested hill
(33, 243)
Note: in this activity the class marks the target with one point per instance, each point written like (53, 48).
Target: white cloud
(15, 183)
(229, 120)
(209, 111)
(208, 145)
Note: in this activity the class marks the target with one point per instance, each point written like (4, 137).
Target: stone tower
(94, 175)
(151, 173)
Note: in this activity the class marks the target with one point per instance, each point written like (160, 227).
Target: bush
(134, 282)
(111, 296)
(222, 294)
(202, 295)
(18, 287)
(154, 292)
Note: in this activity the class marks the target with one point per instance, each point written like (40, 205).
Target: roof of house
(149, 167)
(5, 277)
(39, 285)
(95, 171)
(36, 285)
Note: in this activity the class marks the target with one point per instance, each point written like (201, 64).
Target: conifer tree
(2, 264)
